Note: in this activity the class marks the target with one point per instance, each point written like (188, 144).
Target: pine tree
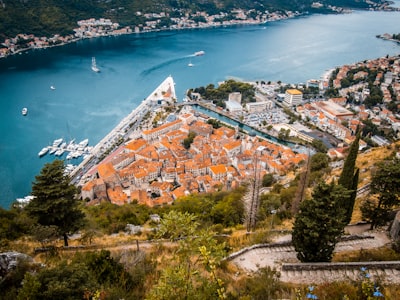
(320, 223)
(55, 203)
(349, 177)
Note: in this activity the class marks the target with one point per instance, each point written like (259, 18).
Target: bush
(337, 290)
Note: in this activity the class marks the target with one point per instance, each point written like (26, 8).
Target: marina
(59, 147)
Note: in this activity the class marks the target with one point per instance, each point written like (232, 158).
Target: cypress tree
(317, 229)
(349, 177)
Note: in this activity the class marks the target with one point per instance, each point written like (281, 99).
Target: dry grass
(377, 254)
(115, 240)
(23, 245)
(286, 224)
(365, 162)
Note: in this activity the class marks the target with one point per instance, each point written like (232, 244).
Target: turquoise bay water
(88, 105)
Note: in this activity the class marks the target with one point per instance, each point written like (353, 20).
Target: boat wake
(163, 64)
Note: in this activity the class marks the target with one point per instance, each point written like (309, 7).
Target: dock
(127, 127)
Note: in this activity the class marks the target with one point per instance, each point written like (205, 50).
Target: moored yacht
(57, 142)
(59, 152)
(43, 151)
(84, 143)
(24, 111)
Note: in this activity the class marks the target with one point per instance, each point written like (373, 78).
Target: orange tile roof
(178, 192)
(140, 196)
(136, 145)
(89, 186)
(164, 199)
(106, 170)
(140, 174)
(164, 126)
(233, 145)
(117, 196)
(218, 169)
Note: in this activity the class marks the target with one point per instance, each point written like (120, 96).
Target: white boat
(52, 87)
(53, 150)
(69, 168)
(76, 154)
(94, 66)
(59, 152)
(199, 53)
(24, 111)
(71, 142)
(84, 143)
(190, 64)
(57, 142)
(71, 145)
(43, 151)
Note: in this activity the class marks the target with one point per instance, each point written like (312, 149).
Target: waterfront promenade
(164, 92)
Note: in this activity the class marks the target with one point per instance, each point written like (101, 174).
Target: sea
(85, 104)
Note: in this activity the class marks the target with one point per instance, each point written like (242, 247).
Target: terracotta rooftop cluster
(156, 169)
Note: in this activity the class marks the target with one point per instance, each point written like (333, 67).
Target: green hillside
(48, 17)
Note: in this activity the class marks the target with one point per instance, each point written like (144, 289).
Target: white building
(253, 107)
(235, 96)
(233, 106)
(293, 97)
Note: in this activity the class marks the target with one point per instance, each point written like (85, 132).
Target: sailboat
(94, 66)
(190, 64)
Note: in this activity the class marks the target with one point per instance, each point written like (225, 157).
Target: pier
(127, 128)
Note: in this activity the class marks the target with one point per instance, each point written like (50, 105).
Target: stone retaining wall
(341, 266)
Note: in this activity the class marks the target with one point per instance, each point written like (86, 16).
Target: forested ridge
(49, 17)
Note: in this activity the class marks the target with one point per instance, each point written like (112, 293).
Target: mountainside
(49, 17)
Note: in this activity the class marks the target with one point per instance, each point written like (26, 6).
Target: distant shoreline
(20, 51)
(207, 26)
